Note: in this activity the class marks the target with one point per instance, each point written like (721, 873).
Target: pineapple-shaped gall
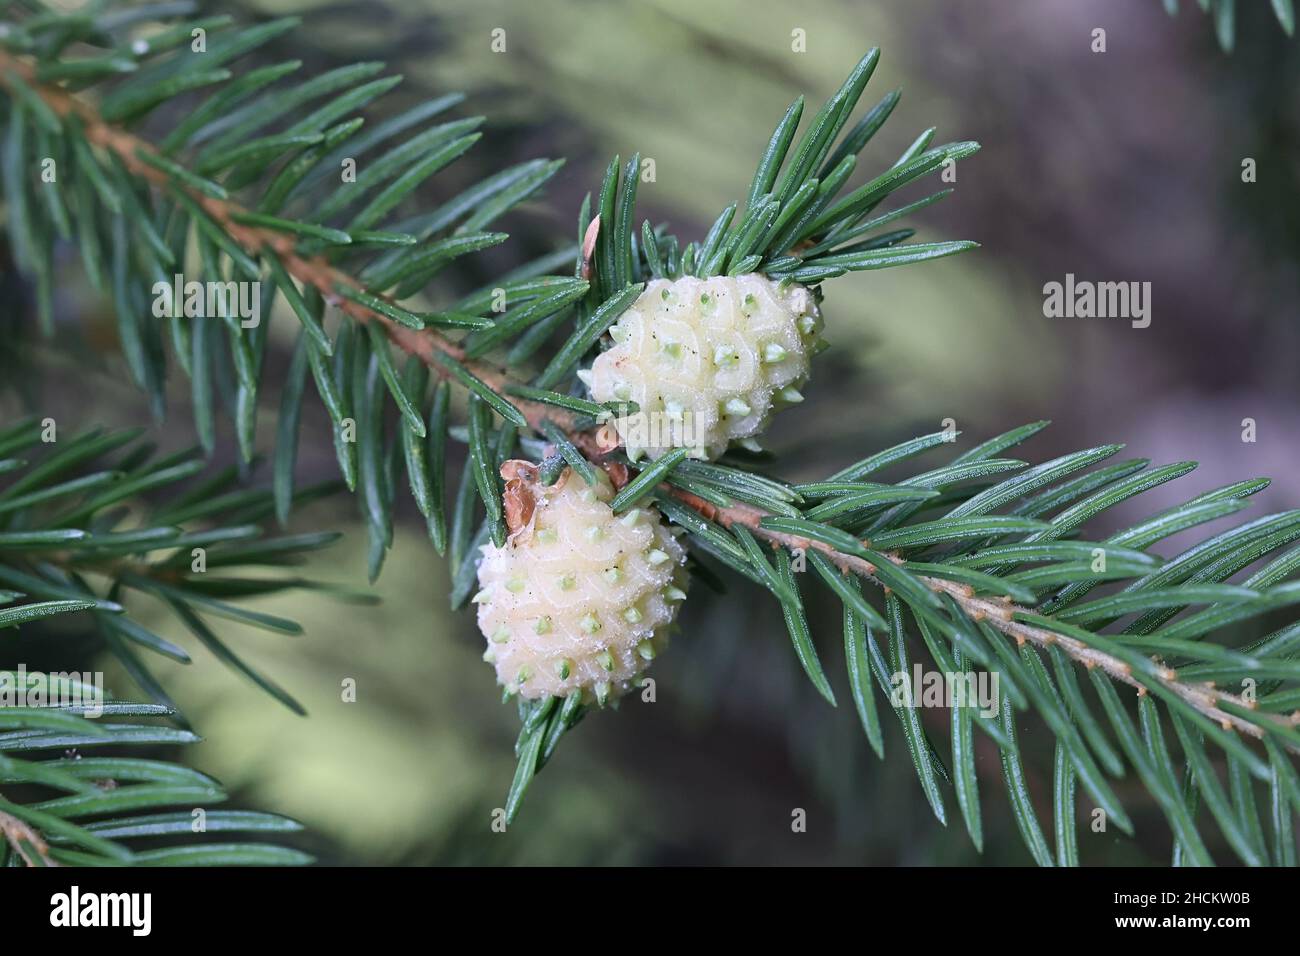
(579, 599)
(706, 361)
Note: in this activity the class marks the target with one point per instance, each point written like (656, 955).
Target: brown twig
(23, 838)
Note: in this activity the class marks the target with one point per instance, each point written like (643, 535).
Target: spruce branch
(978, 558)
(76, 540)
(104, 807)
(1011, 620)
(73, 542)
(191, 185)
(1224, 15)
(144, 161)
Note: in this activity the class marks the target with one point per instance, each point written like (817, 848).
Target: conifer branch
(314, 271)
(1002, 614)
(990, 577)
(1224, 16)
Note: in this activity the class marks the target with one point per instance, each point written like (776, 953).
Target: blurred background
(1115, 166)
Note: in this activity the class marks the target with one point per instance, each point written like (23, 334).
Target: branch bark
(24, 840)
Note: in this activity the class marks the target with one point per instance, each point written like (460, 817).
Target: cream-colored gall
(706, 361)
(579, 598)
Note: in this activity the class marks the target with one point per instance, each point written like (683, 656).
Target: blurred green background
(1120, 166)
